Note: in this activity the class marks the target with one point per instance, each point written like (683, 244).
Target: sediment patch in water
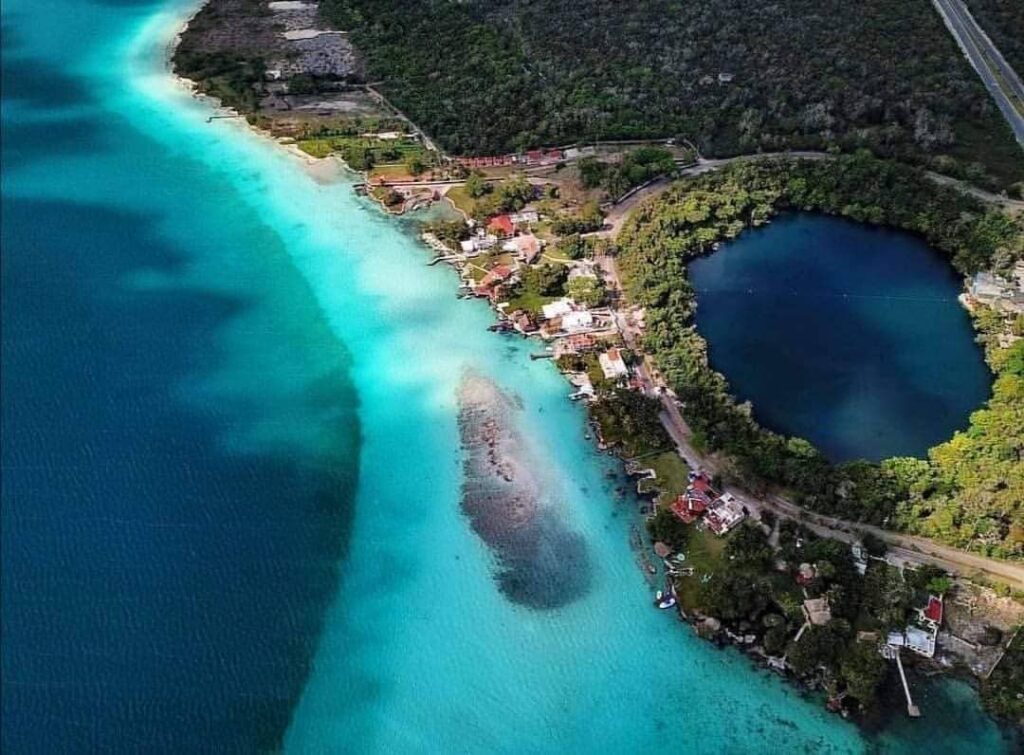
(541, 562)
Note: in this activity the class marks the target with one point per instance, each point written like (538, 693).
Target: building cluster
(493, 259)
(1004, 294)
(721, 513)
(920, 634)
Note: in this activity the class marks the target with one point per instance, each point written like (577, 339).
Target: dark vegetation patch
(487, 76)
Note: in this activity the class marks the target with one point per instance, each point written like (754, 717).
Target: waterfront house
(489, 283)
(920, 635)
(612, 364)
(1002, 294)
(523, 321)
(477, 243)
(920, 640)
(690, 506)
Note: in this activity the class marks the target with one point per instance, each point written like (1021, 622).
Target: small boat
(664, 600)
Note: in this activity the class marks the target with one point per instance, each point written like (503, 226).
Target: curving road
(999, 77)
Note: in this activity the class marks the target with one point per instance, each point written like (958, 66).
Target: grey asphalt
(988, 62)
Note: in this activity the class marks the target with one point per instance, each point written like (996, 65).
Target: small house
(612, 364)
(501, 226)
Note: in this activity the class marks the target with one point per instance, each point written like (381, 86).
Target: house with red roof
(489, 283)
(501, 226)
(694, 503)
(689, 507)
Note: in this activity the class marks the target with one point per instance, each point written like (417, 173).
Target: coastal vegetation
(487, 77)
(1002, 691)
(635, 168)
(741, 584)
(970, 491)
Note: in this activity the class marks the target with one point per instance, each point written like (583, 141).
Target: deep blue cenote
(847, 335)
(231, 464)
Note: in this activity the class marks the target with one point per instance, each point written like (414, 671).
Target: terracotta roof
(501, 223)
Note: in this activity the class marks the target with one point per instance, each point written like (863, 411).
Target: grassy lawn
(530, 301)
(672, 476)
(551, 255)
(462, 200)
(390, 173)
(386, 152)
(479, 266)
(704, 554)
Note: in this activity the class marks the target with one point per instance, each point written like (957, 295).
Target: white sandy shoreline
(324, 171)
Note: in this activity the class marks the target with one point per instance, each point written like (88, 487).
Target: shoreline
(337, 168)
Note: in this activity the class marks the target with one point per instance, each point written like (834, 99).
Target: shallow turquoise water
(848, 335)
(329, 343)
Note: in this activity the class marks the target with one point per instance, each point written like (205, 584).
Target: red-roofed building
(496, 274)
(501, 226)
(701, 483)
(934, 610)
(534, 156)
(486, 161)
(689, 507)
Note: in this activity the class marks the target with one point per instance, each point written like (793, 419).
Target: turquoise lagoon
(232, 469)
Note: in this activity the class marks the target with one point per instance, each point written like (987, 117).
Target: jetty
(912, 710)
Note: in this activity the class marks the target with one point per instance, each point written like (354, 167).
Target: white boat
(664, 600)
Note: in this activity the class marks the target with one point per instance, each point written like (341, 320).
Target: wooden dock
(912, 710)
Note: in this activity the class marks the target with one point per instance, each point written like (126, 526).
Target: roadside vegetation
(970, 491)
(486, 77)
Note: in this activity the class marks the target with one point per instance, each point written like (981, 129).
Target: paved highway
(1002, 81)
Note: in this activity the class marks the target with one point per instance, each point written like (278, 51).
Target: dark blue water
(168, 553)
(847, 335)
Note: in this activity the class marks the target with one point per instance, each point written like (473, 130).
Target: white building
(526, 216)
(478, 243)
(612, 364)
(576, 322)
(555, 309)
(724, 513)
